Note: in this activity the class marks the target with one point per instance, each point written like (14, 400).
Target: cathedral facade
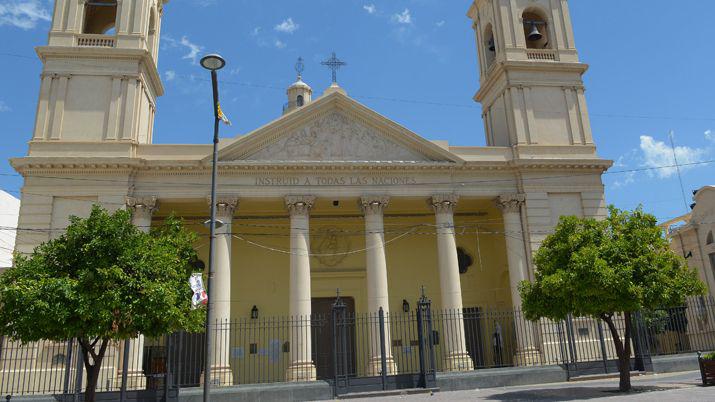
(331, 194)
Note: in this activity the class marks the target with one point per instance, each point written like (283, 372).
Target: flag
(222, 116)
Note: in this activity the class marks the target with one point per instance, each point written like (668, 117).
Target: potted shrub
(707, 368)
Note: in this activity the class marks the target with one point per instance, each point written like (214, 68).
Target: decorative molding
(335, 137)
(225, 205)
(374, 204)
(142, 207)
(510, 203)
(444, 203)
(299, 205)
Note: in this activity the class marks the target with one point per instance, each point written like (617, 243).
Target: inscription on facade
(335, 181)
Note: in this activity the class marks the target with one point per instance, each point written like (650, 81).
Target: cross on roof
(334, 64)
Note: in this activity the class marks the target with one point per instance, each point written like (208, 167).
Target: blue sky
(652, 64)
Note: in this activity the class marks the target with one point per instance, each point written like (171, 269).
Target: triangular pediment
(334, 128)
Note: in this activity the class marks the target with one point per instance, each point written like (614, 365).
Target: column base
(458, 362)
(374, 366)
(301, 371)
(220, 376)
(527, 357)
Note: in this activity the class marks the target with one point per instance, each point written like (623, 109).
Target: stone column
(301, 367)
(452, 338)
(221, 373)
(142, 208)
(376, 267)
(510, 205)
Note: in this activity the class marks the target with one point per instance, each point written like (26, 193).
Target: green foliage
(621, 264)
(102, 279)
(709, 356)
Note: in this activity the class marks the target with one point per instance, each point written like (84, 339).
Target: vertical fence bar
(68, 364)
(604, 354)
(78, 375)
(125, 367)
(383, 352)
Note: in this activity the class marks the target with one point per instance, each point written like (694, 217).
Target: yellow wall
(260, 266)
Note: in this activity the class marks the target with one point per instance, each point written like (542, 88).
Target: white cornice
(141, 55)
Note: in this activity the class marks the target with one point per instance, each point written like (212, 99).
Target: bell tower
(99, 78)
(531, 86)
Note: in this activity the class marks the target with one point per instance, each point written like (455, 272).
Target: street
(673, 387)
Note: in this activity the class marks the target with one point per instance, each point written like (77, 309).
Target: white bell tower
(99, 79)
(531, 88)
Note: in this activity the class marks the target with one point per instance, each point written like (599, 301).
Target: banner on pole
(197, 285)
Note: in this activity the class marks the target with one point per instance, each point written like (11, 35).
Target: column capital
(444, 203)
(299, 204)
(225, 205)
(142, 206)
(510, 202)
(374, 204)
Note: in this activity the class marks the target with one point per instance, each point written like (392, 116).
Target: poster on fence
(197, 286)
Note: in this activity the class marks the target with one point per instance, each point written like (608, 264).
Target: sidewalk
(673, 387)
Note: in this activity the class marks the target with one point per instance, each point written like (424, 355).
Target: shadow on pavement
(571, 393)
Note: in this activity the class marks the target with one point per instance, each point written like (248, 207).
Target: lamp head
(213, 62)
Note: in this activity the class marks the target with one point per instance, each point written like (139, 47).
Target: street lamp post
(212, 62)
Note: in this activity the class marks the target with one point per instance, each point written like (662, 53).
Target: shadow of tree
(571, 393)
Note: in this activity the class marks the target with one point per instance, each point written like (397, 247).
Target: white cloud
(279, 44)
(370, 8)
(439, 24)
(169, 75)
(403, 18)
(287, 26)
(23, 14)
(627, 178)
(192, 48)
(709, 135)
(658, 154)
(255, 31)
(234, 71)
(4, 107)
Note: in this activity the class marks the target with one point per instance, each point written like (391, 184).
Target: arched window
(100, 16)
(709, 238)
(490, 46)
(299, 101)
(536, 30)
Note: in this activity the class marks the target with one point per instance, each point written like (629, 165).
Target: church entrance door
(322, 307)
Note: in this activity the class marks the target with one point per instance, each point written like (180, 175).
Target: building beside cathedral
(330, 194)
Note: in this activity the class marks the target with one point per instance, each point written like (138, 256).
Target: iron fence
(358, 345)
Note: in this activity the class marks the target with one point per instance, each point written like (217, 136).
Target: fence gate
(382, 351)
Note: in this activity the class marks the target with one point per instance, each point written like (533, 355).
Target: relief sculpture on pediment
(335, 137)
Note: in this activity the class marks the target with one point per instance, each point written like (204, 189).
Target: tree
(103, 280)
(600, 268)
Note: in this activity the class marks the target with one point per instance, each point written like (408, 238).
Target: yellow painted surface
(261, 264)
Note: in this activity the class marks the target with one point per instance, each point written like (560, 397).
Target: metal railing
(352, 345)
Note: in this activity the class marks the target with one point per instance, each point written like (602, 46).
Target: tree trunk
(93, 367)
(92, 378)
(623, 350)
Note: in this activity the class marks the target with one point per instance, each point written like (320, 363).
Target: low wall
(304, 391)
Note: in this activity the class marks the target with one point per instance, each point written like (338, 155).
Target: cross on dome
(334, 64)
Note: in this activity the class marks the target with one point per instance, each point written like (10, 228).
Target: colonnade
(301, 367)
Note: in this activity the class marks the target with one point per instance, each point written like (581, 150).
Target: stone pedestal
(452, 337)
